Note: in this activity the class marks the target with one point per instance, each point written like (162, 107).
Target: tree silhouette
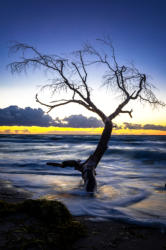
(71, 75)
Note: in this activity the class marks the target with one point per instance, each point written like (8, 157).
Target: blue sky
(137, 29)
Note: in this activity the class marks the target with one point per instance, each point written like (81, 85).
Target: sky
(137, 30)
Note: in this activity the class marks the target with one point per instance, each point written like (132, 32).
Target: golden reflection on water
(154, 205)
(57, 196)
(159, 189)
(107, 191)
(103, 192)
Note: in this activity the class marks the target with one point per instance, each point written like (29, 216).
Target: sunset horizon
(83, 124)
(60, 33)
(15, 120)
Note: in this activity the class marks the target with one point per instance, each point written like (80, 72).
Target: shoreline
(11, 193)
(100, 234)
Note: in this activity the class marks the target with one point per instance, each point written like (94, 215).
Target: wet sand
(120, 236)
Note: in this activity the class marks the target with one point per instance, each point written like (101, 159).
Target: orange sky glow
(62, 130)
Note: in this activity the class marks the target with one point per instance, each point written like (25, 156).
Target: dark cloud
(146, 126)
(14, 115)
(116, 127)
(80, 121)
(132, 126)
(154, 127)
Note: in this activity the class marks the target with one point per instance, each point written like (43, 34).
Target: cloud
(146, 126)
(154, 127)
(132, 126)
(117, 127)
(80, 121)
(14, 115)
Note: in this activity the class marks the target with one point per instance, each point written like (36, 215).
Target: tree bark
(88, 167)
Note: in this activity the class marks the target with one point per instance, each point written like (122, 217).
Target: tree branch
(56, 105)
(119, 109)
(128, 80)
(128, 112)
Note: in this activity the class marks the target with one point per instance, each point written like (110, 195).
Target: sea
(131, 176)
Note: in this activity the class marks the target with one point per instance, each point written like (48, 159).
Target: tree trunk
(87, 168)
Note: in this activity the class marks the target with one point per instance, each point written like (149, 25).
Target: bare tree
(72, 75)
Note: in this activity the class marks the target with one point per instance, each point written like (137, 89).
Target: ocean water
(131, 176)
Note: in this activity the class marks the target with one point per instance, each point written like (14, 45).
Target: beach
(108, 234)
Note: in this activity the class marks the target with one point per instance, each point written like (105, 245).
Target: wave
(130, 177)
(140, 154)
